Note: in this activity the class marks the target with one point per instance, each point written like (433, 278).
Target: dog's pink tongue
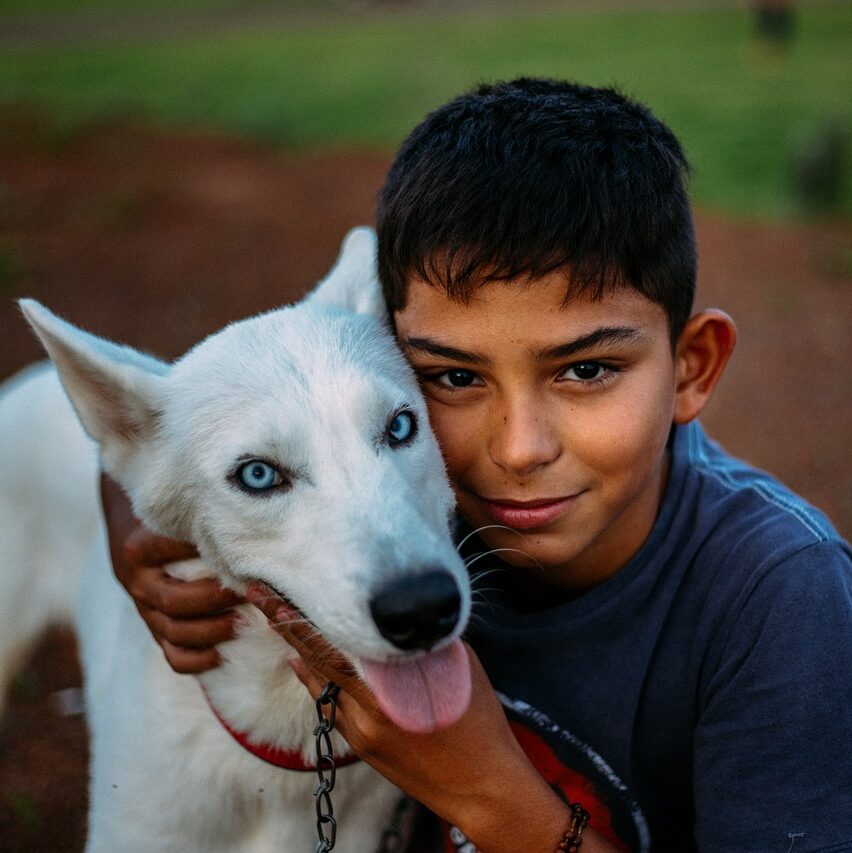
(421, 695)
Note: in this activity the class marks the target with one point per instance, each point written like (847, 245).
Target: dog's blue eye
(257, 476)
(401, 428)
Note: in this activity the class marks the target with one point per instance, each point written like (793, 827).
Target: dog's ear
(353, 283)
(115, 390)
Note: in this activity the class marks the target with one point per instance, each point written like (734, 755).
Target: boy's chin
(545, 560)
(541, 553)
(532, 582)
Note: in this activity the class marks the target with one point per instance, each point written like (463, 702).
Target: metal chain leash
(393, 837)
(326, 768)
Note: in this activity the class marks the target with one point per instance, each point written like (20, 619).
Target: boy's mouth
(527, 515)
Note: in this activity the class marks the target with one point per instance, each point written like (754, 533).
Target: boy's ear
(353, 283)
(703, 350)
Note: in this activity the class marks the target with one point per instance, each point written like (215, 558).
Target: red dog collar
(289, 759)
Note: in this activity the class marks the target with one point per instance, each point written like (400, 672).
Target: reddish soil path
(157, 238)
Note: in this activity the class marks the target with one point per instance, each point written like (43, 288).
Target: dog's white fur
(310, 387)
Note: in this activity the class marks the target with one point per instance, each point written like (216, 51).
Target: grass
(40, 7)
(735, 105)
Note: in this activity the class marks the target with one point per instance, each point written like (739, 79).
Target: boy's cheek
(624, 440)
(458, 434)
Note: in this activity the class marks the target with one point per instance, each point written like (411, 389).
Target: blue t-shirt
(701, 698)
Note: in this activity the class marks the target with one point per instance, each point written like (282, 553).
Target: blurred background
(169, 165)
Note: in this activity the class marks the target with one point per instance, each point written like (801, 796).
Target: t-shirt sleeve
(773, 738)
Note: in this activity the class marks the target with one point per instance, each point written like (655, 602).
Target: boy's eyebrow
(604, 335)
(431, 347)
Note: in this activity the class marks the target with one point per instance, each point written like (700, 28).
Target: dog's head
(294, 448)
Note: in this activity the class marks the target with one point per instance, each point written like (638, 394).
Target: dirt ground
(157, 238)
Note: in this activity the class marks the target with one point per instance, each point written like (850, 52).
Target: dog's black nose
(416, 611)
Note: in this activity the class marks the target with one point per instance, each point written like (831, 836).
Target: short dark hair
(530, 176)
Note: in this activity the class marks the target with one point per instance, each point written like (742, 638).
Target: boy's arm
(187, 618)
(473, 774)
(773, 742)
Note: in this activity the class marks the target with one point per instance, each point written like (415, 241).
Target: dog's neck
(279, 726)
(287, 759)
(257, 697)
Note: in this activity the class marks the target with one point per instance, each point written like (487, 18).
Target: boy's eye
(457, 378)
(586, 371)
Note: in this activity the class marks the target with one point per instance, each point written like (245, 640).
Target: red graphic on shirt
(574, 787)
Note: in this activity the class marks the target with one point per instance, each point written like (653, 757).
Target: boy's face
(552, 419)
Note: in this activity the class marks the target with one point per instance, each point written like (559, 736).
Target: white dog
(292, 448)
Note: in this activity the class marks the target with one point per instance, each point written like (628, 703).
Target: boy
(668, 632)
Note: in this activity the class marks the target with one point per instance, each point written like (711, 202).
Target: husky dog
(292, 448)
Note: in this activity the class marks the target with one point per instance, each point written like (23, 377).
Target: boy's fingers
(316, 653)
(324, 663)
(182, 599)
(351, 685)
(287, 621)
(312, 647)
(307, 676)
(264, 598)
(202, 632)
(144, 548)
(189, 661)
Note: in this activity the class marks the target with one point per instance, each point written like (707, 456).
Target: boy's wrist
(521, 814)
(517, 815)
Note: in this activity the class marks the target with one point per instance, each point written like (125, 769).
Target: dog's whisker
(477, 618)
(522, 553)
(487, 527)
(474, 557)
(479, 596)
(265, 598)
(480, 576)
(300, 620)
(477, 576)
(504, 551)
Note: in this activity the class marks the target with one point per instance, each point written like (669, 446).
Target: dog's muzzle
(416, 611)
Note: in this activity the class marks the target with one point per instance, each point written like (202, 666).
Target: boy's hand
(473, 774)
(187, 618)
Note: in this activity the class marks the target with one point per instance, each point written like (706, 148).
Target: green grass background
(737, 106)
(28, 7)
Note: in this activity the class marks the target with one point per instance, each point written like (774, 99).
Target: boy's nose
(523, 441)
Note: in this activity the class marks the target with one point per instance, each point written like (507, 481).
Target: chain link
(326, 768)
(393, 838)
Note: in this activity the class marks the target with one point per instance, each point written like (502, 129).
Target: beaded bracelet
(572, 840)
